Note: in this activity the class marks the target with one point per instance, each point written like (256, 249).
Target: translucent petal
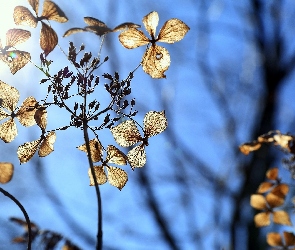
(100, 175)
(98, 30)
(16, 36)
(35, 5)
(126, 133)
(117, 177)
(274, 239)
(272, 174)
(6, 172)
(154, 123)
(133, 38)
(262, 219)
(156, 61)
(264, 187)
(289, 238)
(172, 31)
(150, 22)
(27, 150)
(248, 147)
(91, 21)
(114, 155)
(15, 59)
(73, 31)
(48, 38)
(8, 131)
(137, 157)
(258, 201)
(26, 113)
(22, 16)
(125, 26)
(46, 146)
(9, 96)
(52, 12)
(96, 149)
(41, 117)
(281, 217)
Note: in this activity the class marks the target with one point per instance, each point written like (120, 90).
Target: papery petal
(154, 123)
(114, 155)
(133, 38)
(27, 150)
(6, 172)
(48, 38)
(9, 96)
(117, 177)
(46, 146)
(27, 111)
(8, 131)
(150, 22)
(137, 156)
(22, 16)
(156, 61)
(52, 12)
(16, 36)
(126, 133)
(100, 175)
(172, 31)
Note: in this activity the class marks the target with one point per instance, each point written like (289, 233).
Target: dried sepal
(264, 187)
(150, 22)
(281, 190)
(91, 21)
(48, 38)
(272, 174)
(289, 238)
(8, 131)
(96, 150)
(281, 217)
(137, 157)
(46, 146)
(274, 239)
(16, 36)
(15, 59)
(126, 133)
(248, 147)
(117, 177)
(9, 96)
(73, 31)
(23, 16)
(258, 201)
(41, 117)
(52, 12)
(155, 61)
(115, 156)
(35, 5)
(100, 175)
(27, 150)
(133, 38)
(154, 123)
(262, 219)
(98, 30)
(125, 26)
(27, 111)
(172, 31)
(6, 172)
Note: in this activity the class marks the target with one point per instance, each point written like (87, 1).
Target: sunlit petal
(27, 111)
(137, 156)
(133, 38)
(8, 131)
(6, 172)
(117, 177)
(100, 175)
(150, 22)
(154, 123)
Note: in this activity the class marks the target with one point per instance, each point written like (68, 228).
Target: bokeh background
(231, 79)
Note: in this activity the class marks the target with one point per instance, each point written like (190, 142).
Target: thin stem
(86, 139)
(10, 196)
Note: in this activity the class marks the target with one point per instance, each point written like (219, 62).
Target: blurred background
(231, 79)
